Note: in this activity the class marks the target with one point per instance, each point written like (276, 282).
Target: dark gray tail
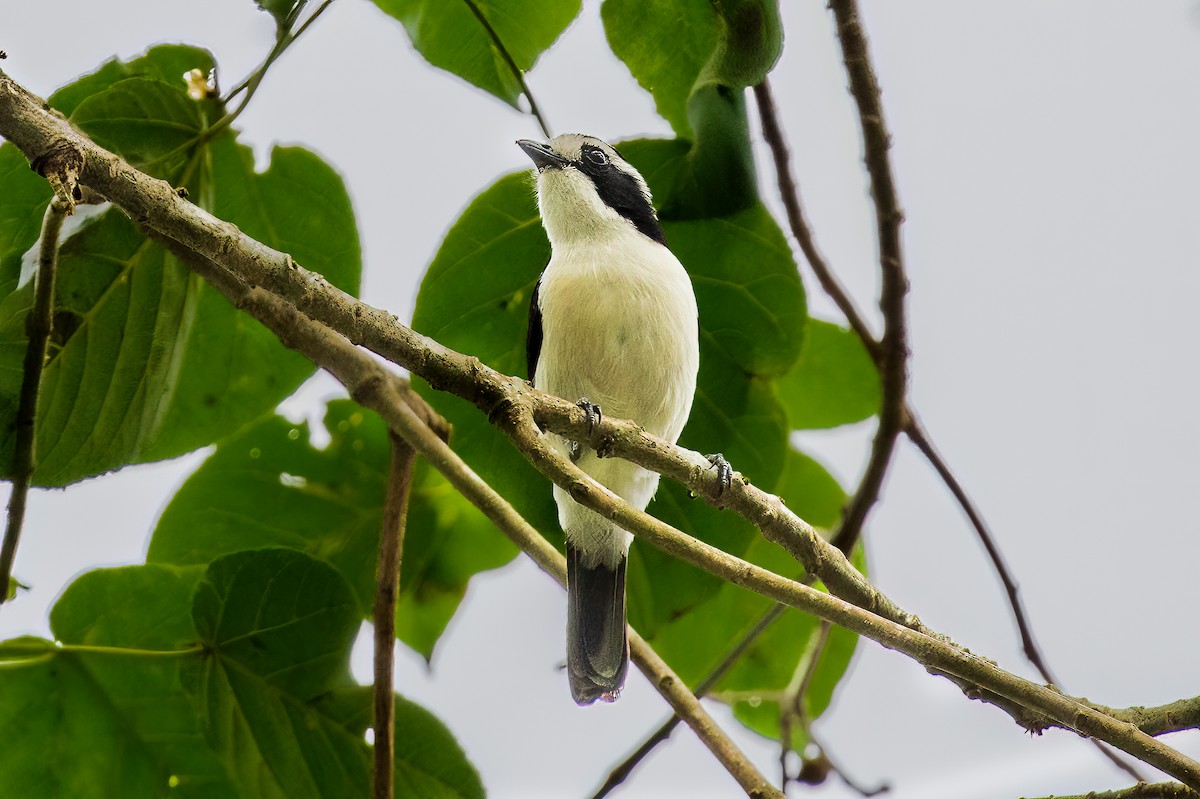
(597, 652)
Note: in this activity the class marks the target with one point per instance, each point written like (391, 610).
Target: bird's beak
(542, 155)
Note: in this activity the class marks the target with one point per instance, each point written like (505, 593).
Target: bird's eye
(596, 156)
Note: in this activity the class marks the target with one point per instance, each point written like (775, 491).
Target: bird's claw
(594, 416)
(724, 471)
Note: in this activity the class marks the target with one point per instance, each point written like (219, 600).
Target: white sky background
(1046, 160)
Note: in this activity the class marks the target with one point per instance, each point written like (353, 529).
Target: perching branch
(37, 327)
(369, 384)
(519, 411)
(1143, 790)
(387, 587)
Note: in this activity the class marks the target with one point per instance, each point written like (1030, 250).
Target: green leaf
(152, 124)
(698, 86)
(265, 707)
(276, 489)
(147, 361)
(636, 30)
(274, 691)
(279, 614)
(26, 195)
(475, 299)
(119, 717)
(284, 12)
(164, 62)
(810, 491)
(140, 607)
(834, 382)
(455, 36)
(429, 762)
(732, 43)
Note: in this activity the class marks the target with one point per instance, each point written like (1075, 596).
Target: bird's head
(586, 190)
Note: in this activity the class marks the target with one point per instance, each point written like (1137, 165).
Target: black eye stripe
(620, 191)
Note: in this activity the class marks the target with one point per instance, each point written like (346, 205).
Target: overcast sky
(1046, 161)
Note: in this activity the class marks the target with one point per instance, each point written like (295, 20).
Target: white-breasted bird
(612, 322)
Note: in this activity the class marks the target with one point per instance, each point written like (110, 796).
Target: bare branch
(387, 586)
(37, 327)
(1143, 790)
(375, 388)
(893, 353)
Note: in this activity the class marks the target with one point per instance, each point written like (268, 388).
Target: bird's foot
(724, 471)
(594, 417)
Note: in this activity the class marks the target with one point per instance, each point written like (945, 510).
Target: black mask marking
(620, 192)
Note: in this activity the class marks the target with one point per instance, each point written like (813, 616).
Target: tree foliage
(219, 667)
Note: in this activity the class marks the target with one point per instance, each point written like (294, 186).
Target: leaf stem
(38, 325)
(39, 647)
(387, 579)
(517, 72)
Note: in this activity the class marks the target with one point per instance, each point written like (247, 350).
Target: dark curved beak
(542, 155)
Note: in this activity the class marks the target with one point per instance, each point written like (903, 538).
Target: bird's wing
(533, 336)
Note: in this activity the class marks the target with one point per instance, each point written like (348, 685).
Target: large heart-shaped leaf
(225, 681)
(833, 383)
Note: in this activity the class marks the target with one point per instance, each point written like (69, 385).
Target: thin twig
(387, 587)
(38, 325)
(852, 521)
(252, 82)
(619, 774)
(517, 72)
(920, 438)
(893, 359)
(814, 770)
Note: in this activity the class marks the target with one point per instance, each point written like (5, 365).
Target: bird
(613, 326)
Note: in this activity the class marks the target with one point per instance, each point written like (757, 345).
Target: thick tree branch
(377, 389)
(387, 587)
(519, 411)
(38, 327)
(1143, 790)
